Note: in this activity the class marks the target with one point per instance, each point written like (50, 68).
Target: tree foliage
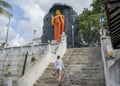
(2, 44)
(98, 6)
(89, 24)
(4, 8)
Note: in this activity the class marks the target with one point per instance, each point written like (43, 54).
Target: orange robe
(58, 27)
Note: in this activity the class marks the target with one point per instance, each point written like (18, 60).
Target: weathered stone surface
(15, 57)
(70, 19)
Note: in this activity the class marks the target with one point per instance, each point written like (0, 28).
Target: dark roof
(113, 16)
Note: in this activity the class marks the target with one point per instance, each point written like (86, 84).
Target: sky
(28, 16)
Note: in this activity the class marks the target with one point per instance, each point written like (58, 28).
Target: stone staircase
(83, 67)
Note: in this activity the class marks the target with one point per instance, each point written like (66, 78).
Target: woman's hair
(58, 57)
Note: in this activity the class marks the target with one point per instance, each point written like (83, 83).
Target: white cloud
(77, 5)
(3, 30)
(34, 12)
(17, 41)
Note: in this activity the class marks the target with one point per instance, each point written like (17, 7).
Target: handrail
(24, 65)
(103, 53)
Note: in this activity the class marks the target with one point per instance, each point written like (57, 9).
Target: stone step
(81, 53)
(81, 57)
(84, 48)
(83, 82)
(43, 84)
(47, 80)
(78, 76)
(78, 68)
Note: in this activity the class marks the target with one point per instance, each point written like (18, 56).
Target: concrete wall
(117, 54)
(111, 65)
(15, 56)
(115, 74)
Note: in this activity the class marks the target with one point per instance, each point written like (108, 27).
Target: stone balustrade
(111, 60)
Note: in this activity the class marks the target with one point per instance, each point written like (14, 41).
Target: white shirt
(59, 64)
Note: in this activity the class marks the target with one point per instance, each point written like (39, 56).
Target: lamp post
(8, 25)
(0, 34)
(74, 17)
(73, 36)
(34, 31)
(102, 21)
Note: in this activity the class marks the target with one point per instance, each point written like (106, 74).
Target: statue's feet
(63, 33)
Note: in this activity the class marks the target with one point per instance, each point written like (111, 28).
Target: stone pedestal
(53, 41)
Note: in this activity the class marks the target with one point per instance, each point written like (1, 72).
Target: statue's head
(58, 12)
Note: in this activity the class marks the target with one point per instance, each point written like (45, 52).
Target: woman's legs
(59, 76)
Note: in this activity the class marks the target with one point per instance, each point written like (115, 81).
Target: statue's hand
(52, 19)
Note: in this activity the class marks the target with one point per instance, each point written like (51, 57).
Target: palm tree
(4, 7)
(4, 10)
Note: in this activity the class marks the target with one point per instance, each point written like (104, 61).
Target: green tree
(4, 7)
(2, 44)
(89, 24)
(98, 6)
